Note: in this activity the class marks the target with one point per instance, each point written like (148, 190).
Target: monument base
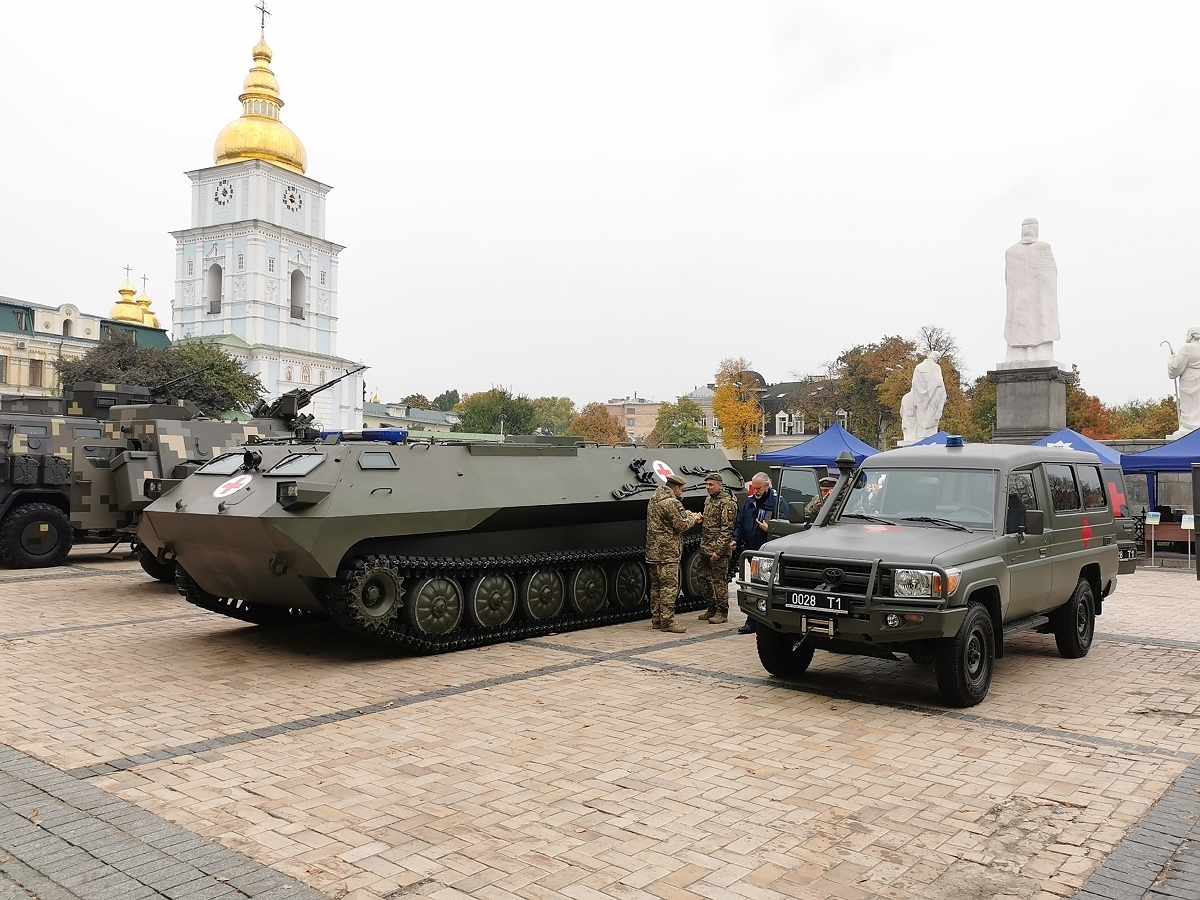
(1030, 402)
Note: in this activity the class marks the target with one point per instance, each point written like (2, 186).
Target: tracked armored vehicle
(429, 545)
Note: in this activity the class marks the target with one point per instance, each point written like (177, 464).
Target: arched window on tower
(299, 288)
(215, 283)
(66, 327)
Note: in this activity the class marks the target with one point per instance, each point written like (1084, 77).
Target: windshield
(296, 464)
(962, 496)
(226, 464)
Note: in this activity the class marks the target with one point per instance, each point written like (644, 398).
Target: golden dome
(259, 134)
(149, 319)
(126, 310)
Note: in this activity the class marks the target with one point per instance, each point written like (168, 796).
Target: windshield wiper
(868, 517)
(936, 521)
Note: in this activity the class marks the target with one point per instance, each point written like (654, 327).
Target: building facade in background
(637, 416)
(255, 272)
(397, 415)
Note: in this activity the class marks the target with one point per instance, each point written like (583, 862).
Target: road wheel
(1075, 622)
(964, 663)
(628, 583)
(159, 571)
(776, 653)
(491, 601)
(587, 590)
(435, 605)
(35, 535)
(541, 595)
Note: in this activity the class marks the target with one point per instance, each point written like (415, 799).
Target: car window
(1064, 493)
(1091, 486)
(30, 429)
(226, 464)
(101, 457)
(296, 464)
(376, 459)
(1118, 490)
(87, 432)
(1021, 497)
(798, 486)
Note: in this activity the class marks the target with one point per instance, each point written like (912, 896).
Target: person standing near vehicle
(666, 521)
(763, 504)
(824, 486)
(720, 515)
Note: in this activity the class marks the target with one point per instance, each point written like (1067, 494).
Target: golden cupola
(259, 134)
(126, 310)
(149, 319)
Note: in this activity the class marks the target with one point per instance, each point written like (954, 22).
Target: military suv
(939, 553)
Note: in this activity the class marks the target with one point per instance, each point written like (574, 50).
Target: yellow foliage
(735, 404)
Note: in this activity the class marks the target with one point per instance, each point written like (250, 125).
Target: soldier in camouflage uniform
(666, 521)
(814, 505)
(720, 514)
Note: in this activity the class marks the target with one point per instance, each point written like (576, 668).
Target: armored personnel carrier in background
(72, 468)
(431, 545)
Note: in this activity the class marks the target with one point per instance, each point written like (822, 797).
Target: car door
(1027, 556)
(1069, 535)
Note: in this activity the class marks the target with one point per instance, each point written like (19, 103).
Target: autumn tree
(595, 424)
(1087, 414)
(736, 406)
(679, 423)
(446, 400)
(495, 411)
(816, 401)
(553, 415)
(418, 401)
(872, 379)
(1145, 419)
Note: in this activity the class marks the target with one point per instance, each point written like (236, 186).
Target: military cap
(828, 481)
(675, 479)
(714, 476)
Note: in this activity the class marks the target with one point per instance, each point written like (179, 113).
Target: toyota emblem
(834, 576)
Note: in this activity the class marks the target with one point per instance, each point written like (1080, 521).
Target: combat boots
(718, 619)
(673, 628)
(706, 615)
(655, 625)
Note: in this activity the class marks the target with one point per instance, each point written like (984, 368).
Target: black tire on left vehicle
(776, 653)
(964, 663)
(159, 571)
(34, 536)
(1075, 622)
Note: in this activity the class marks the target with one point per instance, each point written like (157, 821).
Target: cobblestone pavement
(616, 762)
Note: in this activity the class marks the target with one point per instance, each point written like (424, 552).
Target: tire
(34, 536)
(964, 663)
(777, 656)
(689, 575)
(159, 571)
(1075, 622)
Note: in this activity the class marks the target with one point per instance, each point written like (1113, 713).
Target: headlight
(923, 582)
(761, 568)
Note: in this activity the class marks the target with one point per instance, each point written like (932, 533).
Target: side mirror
(796, 514)
(1035, 522)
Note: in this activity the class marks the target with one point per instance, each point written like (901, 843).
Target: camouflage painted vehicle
(430, 545)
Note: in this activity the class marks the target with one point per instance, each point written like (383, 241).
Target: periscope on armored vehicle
(940, 553)
(427, 545)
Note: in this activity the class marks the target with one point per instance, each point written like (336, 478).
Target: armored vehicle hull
(430, 546)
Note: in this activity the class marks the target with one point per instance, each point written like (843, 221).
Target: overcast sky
(595, 198)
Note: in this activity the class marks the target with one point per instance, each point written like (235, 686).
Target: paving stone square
(152, 749)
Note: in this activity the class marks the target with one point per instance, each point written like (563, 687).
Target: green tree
(481, 412)
(981, 403)
(553, 415)
(446, 400)
(679, 423)
(871, 380)
(1145, 419)
(219, 385)
(418, 401)
(595, 424)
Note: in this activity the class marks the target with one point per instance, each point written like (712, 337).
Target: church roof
(232, 340)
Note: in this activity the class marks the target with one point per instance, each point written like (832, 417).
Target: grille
(805, 574)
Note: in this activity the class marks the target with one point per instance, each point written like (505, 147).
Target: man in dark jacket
(763, 504)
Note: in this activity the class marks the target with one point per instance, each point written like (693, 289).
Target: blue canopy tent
(1073, 440)
(1176, 456)
(822, 450)
(938, 438)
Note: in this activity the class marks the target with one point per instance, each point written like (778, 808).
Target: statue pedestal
(1030, 403)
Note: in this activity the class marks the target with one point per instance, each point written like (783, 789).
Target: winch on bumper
(836, 600)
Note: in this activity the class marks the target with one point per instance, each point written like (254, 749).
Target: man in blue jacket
(762, 505)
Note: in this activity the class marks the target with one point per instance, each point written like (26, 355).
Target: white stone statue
(1185, 366)
(1031, 316)
(921, 408)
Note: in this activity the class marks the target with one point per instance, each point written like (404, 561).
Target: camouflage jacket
(720, 515)
(813, 507)
(666, 521)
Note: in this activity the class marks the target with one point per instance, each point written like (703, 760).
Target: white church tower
(255, 272)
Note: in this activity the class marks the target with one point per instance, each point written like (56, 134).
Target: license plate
(818, 601)
(1127, 553)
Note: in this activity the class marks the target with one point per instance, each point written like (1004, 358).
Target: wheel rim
(629, 583)
(39, 538)
(976, 658)
(493, 600)
(544, 594)
(691, 575)
(588, 589)
(437, 606)
(1083, 621)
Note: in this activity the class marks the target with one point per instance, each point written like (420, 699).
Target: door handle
(1043, 552)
